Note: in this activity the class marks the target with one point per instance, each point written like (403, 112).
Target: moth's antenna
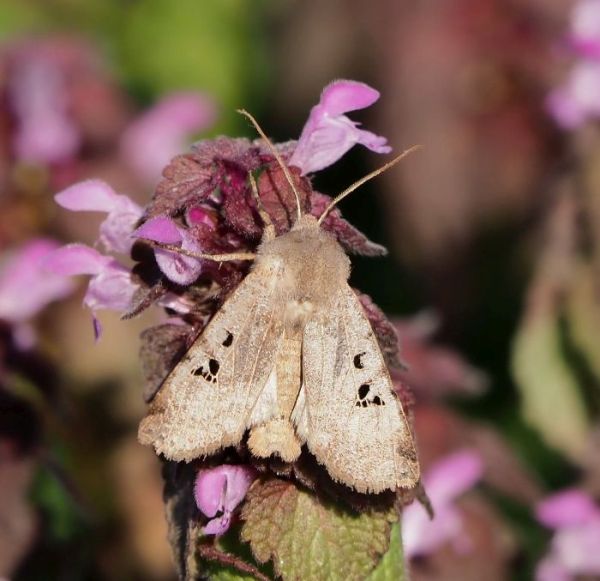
(364, 179)
(278, 157)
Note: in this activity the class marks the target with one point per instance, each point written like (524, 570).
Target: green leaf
(63, 518)
(307, 538)
(391, 567)
(550, 397)
(583, 312)
(218, 573)
(209, 45)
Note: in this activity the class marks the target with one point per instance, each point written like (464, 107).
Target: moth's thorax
(309, 261)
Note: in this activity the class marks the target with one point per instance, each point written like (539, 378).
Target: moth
(291, 357)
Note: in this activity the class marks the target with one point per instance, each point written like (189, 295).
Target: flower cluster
(578, 99)
(203, 206)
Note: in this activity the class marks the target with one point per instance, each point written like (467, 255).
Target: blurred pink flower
(575, 517)
(25, 289)
(585, 28)
(329, 134)
(45, 133)
(578, 99)
(110, 285)
(97, 196)
(218, 491)
(444, 482)
(180, 269)
(160, 133)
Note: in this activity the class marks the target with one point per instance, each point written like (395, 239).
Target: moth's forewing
(354, 423)
(206, 402)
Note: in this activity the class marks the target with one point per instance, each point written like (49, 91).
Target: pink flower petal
(220, 490)
(551, 569)
(161, 229)
(218, 525)
(568, 508)
(111, 289)
(198, 215)
(159, 134)
(422, 536)
(25, 288)
(176, 267)
(37, 94)
(444, 482)
(339, 97)
(74, 259)
(585, 27)
(49, 140)
(328, 134)
(209, 490)
(578, 99)
(97, 196)
(452, 476)
(110, 285)
(90, 195)
(577, 548)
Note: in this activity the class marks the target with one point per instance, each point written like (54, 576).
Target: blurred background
(492, 228)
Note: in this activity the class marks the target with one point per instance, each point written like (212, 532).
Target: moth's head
(306, 222)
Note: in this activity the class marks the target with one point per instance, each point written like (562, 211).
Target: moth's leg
(269, 230)
(215, 257)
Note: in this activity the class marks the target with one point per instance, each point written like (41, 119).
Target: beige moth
(291, 357)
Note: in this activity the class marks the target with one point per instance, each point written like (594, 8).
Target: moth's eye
(363, 391)
(228, 340)
(357, 361)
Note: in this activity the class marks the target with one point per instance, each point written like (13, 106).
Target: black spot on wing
(208, 372)
(213, 366)
(363, 399)
(357, 360)
(228, 340)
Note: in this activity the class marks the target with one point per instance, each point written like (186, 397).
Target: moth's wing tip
(409, 482)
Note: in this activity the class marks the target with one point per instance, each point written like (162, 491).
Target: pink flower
(575, 517)
(444, 482)
(45, 132)
(578, 99)
(25, 289)
(159, 134)
(329, 134)
(585, 28)
(110, 285)
(97, 196)
(180, 269)
(218, 491)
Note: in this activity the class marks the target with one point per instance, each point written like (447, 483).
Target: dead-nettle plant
(287, 449)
